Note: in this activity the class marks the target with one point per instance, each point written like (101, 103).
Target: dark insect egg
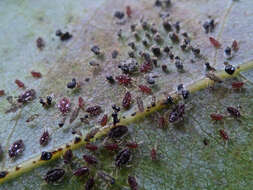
(230, 69)
(72, 84)
(46, 155)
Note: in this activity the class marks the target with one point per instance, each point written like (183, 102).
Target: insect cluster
(147, 36)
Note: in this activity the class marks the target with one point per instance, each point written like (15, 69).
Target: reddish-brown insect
(146, 67)
(215, 42)
(67, 157)
(153, 154)
(20, 83)
(223, 134)
(64, 105)
(2, 92)
(161, 122)
(140, 104)
(216, 117)
(111, 147)
(103, 121)
(237, 85)
(80, 102)
(128, 11)
(40, 43)
(132, 183)
(44, 138)
(36, 74)
(90, 183)
(127, 100)
(90, 159)
(94, 110)
(132, 145)
(123, 79)
(74, 115)
(81, 171)
(145, 89)
(235, 45)
(91, 147)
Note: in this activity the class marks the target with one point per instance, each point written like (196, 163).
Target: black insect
(63, 36)
(209, 26)
(106, 177)
(81, 171)
(44, 138)
(185, 94)
(115, 54)
(72, 84)
(16, 148)
(205, 141)
(174, 37)
(27, 96)
(3, 174)
(110, 79)
(132, 183)
(156, 50)
(168, 100)
(96, 50)
(119, 15)
(167, 26)
(179, 64)
(234, 112)
(229, 69)
(46, 155)
(177, 26)
(122, 157)
(117, 131)
(90, 183)
(54, 175)
(209, 67)
(176, 113)
(115, 118)
(228, 52)
(67, 156)
(115, 108)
